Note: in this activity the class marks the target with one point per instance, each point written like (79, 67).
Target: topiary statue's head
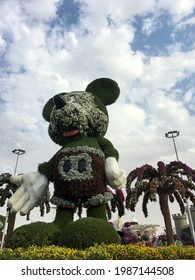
(77, 113)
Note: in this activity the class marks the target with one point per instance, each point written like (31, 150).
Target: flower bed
(100, 252)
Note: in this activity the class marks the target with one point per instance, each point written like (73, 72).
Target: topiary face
(75, 114)
(78, 113)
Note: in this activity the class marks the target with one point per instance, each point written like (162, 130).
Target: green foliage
(45, 168)
(85, 232)
(38, 233)
(100, 252)
(97, 212)
(106, 89)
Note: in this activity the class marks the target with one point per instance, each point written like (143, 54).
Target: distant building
(181, 221)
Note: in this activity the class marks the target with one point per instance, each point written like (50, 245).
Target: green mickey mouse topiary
(81, 171)
(86, 232)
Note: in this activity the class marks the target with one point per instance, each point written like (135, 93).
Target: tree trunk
(11, 223)
(167, 217)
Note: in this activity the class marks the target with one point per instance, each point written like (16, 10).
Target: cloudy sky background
(148, 47)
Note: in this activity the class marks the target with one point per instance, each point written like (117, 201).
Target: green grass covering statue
(83, 167)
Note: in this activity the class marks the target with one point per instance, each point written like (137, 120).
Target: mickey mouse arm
(33, 187)
(46, 168)
(116, 177)
(107, 148)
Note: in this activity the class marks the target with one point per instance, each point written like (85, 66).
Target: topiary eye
(67, 166)
(59, 101)
(81, 165)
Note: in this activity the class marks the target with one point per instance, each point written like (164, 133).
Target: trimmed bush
(85, 232)
(39, 233)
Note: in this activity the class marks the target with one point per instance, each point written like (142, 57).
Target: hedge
(100, 252)
(86, 232)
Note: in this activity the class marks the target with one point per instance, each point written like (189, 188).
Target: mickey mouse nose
(59, 101)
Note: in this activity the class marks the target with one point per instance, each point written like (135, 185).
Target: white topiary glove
(116, 177)
(33, 188)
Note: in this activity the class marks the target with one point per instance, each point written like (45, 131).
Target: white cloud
(122, 11)
(178, 9)
(149, 26)
(185, 22)
(172, 69)
(41, 10)
(2, 44)
(10, 13)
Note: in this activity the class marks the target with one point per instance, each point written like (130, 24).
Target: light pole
(173, 135)
(10, 217)
(17, 152)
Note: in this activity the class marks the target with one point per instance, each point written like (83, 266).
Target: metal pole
(16, 164)
(175, 148)
(173, 135)
(9, 215)
(17, 152)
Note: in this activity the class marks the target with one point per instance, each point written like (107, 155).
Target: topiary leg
(97, 212)
(63, 217)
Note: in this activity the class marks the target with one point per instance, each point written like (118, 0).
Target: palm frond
(145, 202)
(180, 201)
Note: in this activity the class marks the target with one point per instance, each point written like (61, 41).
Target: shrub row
(100, 252)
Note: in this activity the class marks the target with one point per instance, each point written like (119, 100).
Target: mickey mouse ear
(106, 89)
(47, 109)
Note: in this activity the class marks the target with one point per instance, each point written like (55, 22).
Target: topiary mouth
(71, 133)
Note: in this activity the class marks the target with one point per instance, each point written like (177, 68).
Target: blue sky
(148, 47)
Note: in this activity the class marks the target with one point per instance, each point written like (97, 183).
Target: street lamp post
(10, 217)
(173, 135)
(17, 152)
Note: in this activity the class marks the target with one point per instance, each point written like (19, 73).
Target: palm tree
(7, 191)
(173, 181)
